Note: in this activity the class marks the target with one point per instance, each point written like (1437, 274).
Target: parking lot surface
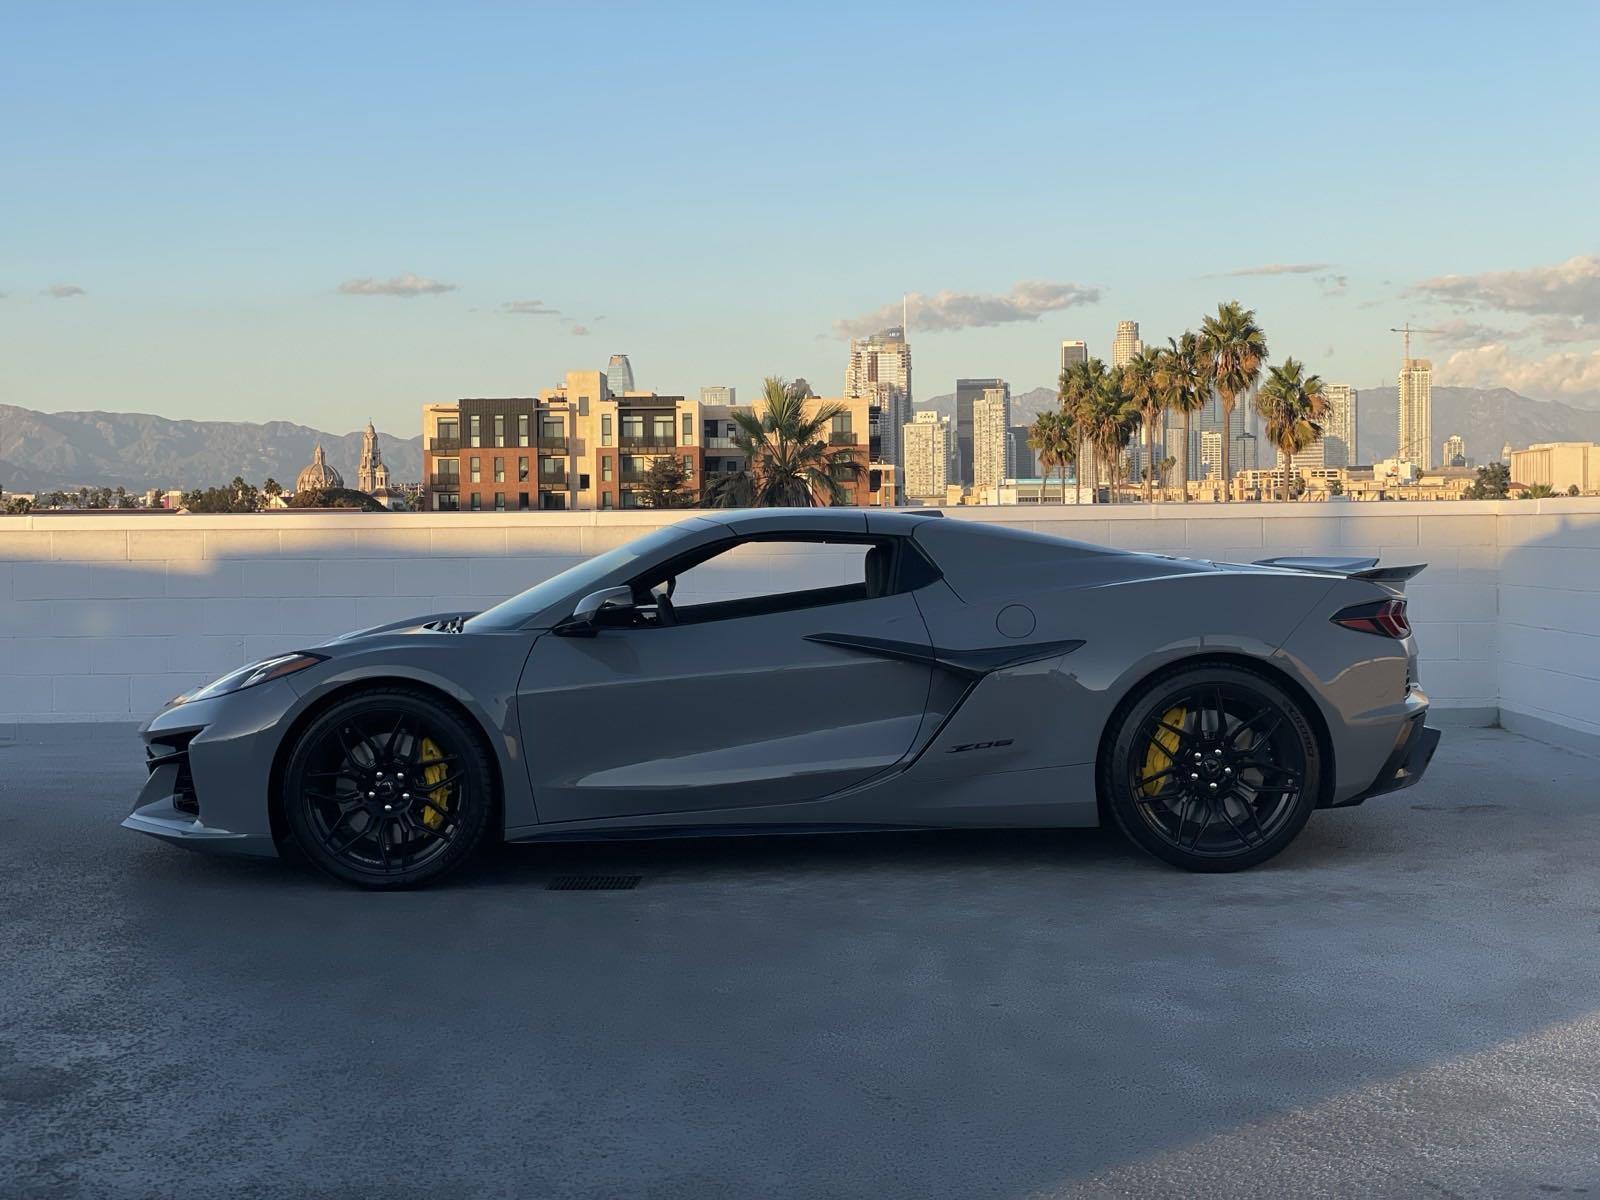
(1407, 1002)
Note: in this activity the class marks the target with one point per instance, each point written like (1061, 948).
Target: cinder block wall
(106, 617)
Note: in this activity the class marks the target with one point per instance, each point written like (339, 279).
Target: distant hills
(42, 451)
(1486, 419)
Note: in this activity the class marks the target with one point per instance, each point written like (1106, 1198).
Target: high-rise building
(1416, 413)
(991, 436)
(1073, 353)
(1126, 344)
(1339, 425)
(371, 474)
(929, 447)
(879, 371)
(968, 393)
(718, 395)
(1454, 448)
(619, 375)
(1024, 458)
(1209, 420)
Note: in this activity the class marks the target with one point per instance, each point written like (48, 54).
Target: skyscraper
(968, 393)
(1339, 425)
(1416, 413)
(1209, 420)
(619, 375)
(880, 372)
(929, 447)
(718, 395)
(991, 436)
(1454, 448)
(1126, 344)
(1024, 458)
(1073, 353)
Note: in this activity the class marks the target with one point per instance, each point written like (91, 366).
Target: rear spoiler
(1350, 568)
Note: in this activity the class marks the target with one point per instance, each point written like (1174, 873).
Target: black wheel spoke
(444, 816)
(1200, 832)
(1222, 809)
(430, 786)
(1182, 736)
(1149, 779)
(1249, 811)
(424, 763)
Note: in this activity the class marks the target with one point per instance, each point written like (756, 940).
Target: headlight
(261, 672)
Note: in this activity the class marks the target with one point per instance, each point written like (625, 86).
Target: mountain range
(67, 450)
(1486, 419)
(41, 451)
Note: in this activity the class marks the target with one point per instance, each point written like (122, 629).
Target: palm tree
(788, 462)
(1235, 347)
(1051, 435)
(1141, 380)
(1078, 382)
(1184, 378)
(1109, 416)
(1292, 404)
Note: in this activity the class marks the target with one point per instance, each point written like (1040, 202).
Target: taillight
(1386, 618)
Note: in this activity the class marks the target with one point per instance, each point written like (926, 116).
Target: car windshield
(512, 613)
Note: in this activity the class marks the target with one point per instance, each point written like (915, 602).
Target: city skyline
(234, 258)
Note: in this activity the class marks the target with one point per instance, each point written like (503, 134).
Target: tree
(19, 506)
(1141, 381)
(1051, 435)
(1493, 482)
(1572, 490)
(1538, 491)
(1235, 347)
(1108, 418)
(1078, 382)
(665, 485)
(331, 498)
(1184, 377)
(1292, 405)
(788, 462)
(271, 487)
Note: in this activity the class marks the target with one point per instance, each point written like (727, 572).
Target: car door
(728, 704)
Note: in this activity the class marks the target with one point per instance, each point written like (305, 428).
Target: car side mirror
(585, 619)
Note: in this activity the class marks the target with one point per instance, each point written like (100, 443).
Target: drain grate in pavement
(593, 883)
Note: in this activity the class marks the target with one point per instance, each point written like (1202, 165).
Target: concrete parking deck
(1407, 1002)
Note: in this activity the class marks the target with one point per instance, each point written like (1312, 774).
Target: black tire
(1212, 768)
(353, 800)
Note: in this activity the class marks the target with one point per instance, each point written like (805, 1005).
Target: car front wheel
(388, 789)
(1212, 769)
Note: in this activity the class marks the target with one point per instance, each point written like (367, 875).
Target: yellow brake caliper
(439, 797)
(1163, 749)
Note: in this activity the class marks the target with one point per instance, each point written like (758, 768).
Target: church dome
(319, 476)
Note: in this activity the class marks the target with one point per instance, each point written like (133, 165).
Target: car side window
(768, 575)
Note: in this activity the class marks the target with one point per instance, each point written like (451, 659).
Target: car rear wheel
(388, 789)
(1212, 769)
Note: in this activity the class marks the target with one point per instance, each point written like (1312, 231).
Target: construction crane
(1408, 331)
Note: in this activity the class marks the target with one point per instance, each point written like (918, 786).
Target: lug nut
(372, 795)
(1213, 787)
(380, 774)
(405, 795)
(390, 807)
(1194, 776)
(1227, 770)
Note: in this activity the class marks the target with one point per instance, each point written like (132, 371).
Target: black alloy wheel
(388, 789)
(1212, 769)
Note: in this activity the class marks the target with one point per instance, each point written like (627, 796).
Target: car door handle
(971, 664)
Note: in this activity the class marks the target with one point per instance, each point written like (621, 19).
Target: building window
(522, 469)
(550, 430)
(552, 468)
(448, 429)
(522, 429)
(583, 406)
(499, 430)
(688, 429)
(476, 502)
(605, 499)
(522, 501)
(445, 469)
(474, 430)
(605, 429)
(662, 430)
(475, 467)
(688, 466)
(499, 502)
(499, 470)
(446, 501)
(605, 468)
(583, 483)
(633, 425)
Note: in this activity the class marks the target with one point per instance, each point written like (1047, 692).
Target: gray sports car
(816, 670)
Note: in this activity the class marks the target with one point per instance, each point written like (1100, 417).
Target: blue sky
(711, 188)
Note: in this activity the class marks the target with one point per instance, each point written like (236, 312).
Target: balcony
(722, 445)
(452, 482)
(631, 475)
(559, 446)
(444, 445)
(549, 479)
(649, 443)
(842, 438)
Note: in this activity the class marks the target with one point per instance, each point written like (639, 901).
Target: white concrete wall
(105, 617)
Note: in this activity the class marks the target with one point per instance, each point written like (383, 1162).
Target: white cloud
(580, 331)
(1276, 269)
(1569, 289)
(64, 291)
(945, 311)
(1564, 331)
(1333, 285)
(1460, 332)
(530, 308)
(405, 286)
(1565, 374)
